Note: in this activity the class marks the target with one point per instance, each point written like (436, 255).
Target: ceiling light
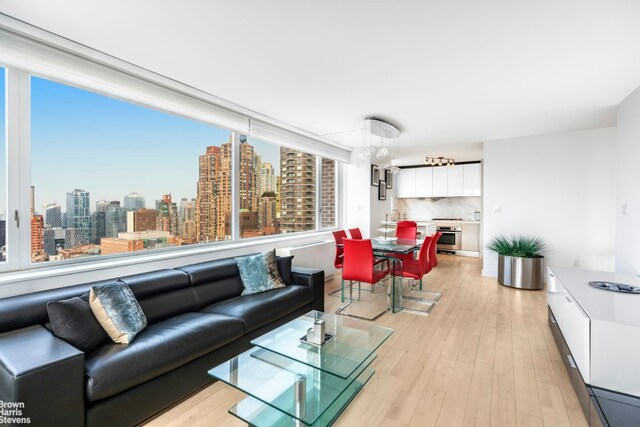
(439, 161)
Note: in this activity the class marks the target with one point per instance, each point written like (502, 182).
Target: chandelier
(439, 161)
(381, 140)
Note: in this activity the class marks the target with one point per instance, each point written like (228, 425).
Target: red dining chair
(433, 260)
(415, 270)
(358, 266)
(339, 235)
(406, 230)
(355, 233)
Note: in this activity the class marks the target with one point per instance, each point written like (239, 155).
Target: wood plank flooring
(484, 357)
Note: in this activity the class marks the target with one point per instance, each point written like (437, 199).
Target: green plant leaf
(519, 246)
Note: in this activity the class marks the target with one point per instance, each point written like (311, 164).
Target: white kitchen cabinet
(406, 183)
(573, 322)
(424, 182)
(440, 181)
(455, 179)
(472, 181)
(470, 237)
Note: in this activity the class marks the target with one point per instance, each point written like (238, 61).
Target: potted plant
(520, 263)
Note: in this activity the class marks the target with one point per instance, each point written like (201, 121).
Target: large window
(277, 187)
(109, 164)
(111, 177)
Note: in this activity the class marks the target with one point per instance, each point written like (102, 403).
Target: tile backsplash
(445, 207)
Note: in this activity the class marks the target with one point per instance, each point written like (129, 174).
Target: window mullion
(18, 169)
(235, 186)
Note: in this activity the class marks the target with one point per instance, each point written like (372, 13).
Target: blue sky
(112, 148)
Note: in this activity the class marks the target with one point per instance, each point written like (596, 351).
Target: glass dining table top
(400, 246)
(354, 342)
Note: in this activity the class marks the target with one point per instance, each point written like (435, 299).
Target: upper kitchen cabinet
(424, 182)
(406, 183)
(472, 180)
(440, 181)
(455, 180)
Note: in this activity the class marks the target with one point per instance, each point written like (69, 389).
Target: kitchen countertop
(599, 304)
(433, 221)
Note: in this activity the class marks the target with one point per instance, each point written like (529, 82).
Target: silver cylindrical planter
(521, 273)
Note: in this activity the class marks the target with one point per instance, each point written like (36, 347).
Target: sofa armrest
(313, 278)
(43, 375)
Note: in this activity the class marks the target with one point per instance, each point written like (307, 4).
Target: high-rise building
(167, 215)
(73, 237)
(53, 215)
(248, 183)
(78, 215)
(37, 235)
(99, 221)
(53, 240)
(142, 220)
(297, 190)
(328, 193)
(267, 178)
(187, 219)
(115, 219)
(278, 191)
(209, 222)
(267, 213)
(133, 202)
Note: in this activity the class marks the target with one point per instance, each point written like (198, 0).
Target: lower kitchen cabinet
(470, 237)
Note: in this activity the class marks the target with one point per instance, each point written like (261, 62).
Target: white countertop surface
(599, 304)
(433, 221)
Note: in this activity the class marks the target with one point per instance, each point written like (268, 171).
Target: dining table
(387, 250)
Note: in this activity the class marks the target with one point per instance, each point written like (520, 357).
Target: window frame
(18, 162)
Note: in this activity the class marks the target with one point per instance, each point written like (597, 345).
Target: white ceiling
(451, 74)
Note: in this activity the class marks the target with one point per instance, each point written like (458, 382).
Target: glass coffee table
(289, 382)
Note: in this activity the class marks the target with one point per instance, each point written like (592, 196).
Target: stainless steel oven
(451, 239)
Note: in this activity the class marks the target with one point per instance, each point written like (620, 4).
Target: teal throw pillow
(259, 273)
(117, 310)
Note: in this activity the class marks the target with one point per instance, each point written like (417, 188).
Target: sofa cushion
(73, 321)
(259, 273)
(158, 349)
(257, 310)
(284, 267)
(118, 311)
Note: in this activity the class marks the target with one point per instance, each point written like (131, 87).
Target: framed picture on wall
(375, 175)
(382, 190)
(388, 178)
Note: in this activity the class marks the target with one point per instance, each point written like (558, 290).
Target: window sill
(42, 277)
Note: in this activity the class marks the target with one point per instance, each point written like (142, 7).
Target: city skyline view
(111, 177)
(115, 147)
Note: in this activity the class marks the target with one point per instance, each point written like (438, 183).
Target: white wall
(362, 208)
(559, 187)
(357, 202)
(628, 185)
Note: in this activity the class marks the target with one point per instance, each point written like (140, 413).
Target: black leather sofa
(196, 318)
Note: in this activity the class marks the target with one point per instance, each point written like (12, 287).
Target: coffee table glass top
(272, 379)
(256, 413)
(354, 342)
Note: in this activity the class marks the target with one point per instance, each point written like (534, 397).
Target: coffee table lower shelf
(256, 413)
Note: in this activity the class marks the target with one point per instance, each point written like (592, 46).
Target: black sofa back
(161, 294)
(214, 281)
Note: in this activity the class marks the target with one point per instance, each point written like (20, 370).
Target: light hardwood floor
(484, 357)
